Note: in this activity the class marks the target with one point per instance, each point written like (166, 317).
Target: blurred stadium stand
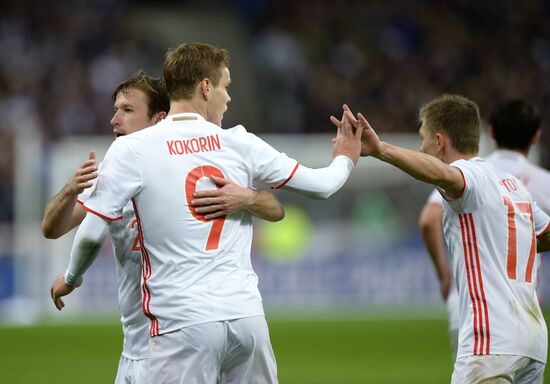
(293, 64)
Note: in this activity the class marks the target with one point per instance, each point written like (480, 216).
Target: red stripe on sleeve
(464, 179)
(100, 215)
(290, 177)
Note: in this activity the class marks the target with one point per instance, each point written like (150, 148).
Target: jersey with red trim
(194, 271)
(535, 178)
(127, 253)
(491, 236)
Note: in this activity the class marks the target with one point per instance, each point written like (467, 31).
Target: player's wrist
(250, 198)
(69, 191)
(71, 279)
(382, 150)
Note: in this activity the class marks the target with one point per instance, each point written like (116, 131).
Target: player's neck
(186, 106)
(453, 156)
(523, 153)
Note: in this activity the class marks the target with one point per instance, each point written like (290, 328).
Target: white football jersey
(535, 178)
(194, 271)
(490, 234)
(127, 252)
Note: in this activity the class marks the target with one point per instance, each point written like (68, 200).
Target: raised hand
(83, 176)
(370, 142)
(348, 138)
(228, 198)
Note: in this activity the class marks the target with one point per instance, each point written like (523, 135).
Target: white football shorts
(225, 352)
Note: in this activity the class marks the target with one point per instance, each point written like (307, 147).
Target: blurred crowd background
(300, 60)
(61, 60)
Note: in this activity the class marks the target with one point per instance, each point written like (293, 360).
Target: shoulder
(237, 130)
(539, 172)
(475, 166)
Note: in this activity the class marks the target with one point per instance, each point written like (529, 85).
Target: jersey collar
(188, 116)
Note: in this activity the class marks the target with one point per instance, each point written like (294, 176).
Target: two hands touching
(355, 137)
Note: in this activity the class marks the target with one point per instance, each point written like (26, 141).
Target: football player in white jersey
(199, 289)
(515, 125)
(492, 229)
(139, 102)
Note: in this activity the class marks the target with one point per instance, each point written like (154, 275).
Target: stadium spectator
(402, 54)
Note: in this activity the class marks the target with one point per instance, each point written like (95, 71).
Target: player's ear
(160, 116)
(536, 137)
(205, 88)
(440, 142)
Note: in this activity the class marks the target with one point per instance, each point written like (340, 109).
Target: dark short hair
(188, 64)
(153, 87)
(457, 117)
(514, 122)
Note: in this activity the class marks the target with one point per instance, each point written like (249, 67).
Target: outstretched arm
(422, 167)
(88, 240)
(62, 213)
(321, 183)
(430, 228)
(231, 197)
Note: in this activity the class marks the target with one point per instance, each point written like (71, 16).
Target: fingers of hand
(85, 170)
(364, 121)
(215, 215)
(219, 180)
(92, 155)
(59, 304)
(209, 208)
(335, 121)
(351, 118)
(207, 193)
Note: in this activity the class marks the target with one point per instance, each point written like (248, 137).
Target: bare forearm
(423, 167)
(434, 244)
(58, 214)
(265, 206)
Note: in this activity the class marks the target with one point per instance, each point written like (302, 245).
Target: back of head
(153, 87)
(188, 64)
(457, 117)
(515, 123)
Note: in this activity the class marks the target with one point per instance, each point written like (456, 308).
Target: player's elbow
(50, 232)
(278, 214)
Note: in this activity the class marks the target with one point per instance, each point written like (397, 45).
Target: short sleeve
(435, 198)
(270, 166)
(541, 219)
(475, 187)
(119, 180)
